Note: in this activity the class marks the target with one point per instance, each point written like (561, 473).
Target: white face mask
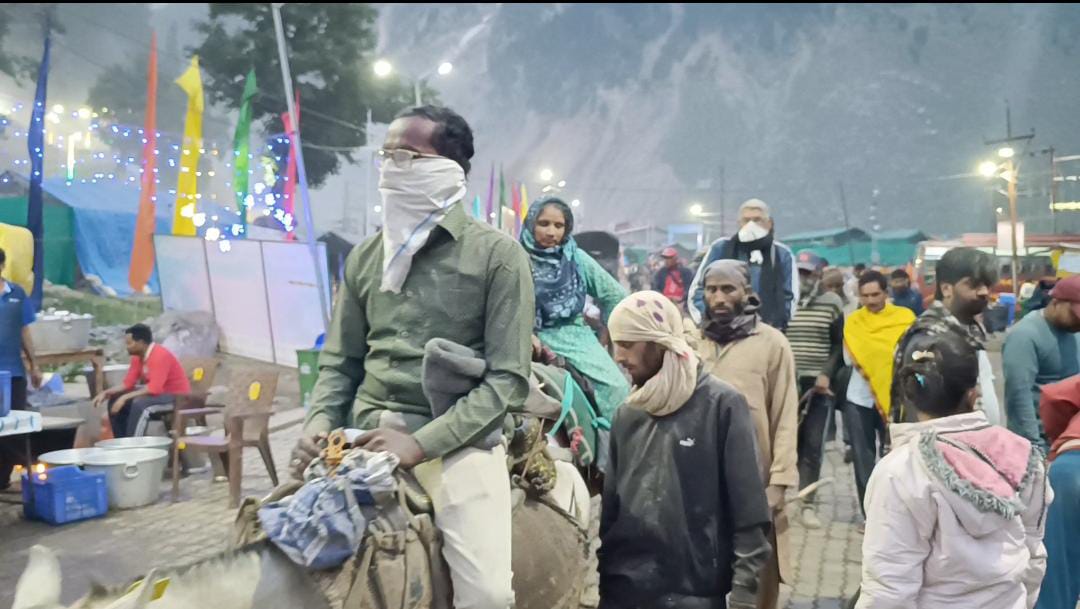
(414, 201)
(429, 182)
(752, 232)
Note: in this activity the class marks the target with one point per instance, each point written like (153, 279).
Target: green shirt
(469, 284)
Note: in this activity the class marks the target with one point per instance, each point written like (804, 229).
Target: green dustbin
(307, 361)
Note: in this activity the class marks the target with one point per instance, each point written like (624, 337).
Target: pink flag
(289, 196)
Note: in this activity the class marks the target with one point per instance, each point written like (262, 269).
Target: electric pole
(1012, 175)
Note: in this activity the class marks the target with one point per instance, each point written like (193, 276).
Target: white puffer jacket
(955, 517)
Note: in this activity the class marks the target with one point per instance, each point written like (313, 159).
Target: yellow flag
(187, 187)
(524, 203)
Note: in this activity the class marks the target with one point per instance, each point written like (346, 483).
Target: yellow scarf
(871, 340)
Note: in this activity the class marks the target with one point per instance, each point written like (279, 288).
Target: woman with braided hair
(955, 512)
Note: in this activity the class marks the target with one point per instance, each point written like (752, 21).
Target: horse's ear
(39, 585)
(141, 596)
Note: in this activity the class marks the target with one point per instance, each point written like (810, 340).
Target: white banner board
(182, 273)
(263, 294)
(292, 293)
(1004, 238)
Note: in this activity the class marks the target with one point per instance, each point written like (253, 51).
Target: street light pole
(286, 75)
(416, 92)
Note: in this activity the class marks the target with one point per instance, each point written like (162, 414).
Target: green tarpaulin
(891, 253)
(59, 237)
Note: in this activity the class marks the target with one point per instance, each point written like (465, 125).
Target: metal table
(93, 356)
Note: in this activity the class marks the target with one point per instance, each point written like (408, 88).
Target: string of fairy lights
(79, 135)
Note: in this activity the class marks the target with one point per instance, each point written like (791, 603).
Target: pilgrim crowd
(722, 386)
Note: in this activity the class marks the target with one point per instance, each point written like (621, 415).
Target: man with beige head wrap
(737, 347)
(684, 510)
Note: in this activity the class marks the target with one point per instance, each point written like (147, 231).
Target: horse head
(39, 588)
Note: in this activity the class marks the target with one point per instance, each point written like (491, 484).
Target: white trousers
(470, 492)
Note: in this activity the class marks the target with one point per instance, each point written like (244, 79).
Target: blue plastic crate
(5, 393)
(66, 494)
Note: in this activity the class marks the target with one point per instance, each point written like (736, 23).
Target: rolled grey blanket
(449, 372)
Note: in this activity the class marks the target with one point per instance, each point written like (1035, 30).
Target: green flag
(241, 148)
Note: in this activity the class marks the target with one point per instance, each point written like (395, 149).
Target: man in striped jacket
(816, 334)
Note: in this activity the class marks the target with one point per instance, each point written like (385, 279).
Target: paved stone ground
(827, 561)
(125, 544)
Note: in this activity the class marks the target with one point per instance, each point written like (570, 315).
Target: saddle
(400, 563)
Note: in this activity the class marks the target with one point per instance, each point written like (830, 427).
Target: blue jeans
(868, 438)
(1061, 585)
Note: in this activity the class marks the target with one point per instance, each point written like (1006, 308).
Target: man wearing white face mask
(432, 272)
(772, 270)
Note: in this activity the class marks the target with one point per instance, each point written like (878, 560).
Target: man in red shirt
(673, 279)
(152, 383)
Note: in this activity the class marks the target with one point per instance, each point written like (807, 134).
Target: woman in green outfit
(564, 276)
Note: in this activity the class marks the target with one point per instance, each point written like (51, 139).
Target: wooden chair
(247, 422)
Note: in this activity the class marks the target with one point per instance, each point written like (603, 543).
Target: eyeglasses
(403, 157)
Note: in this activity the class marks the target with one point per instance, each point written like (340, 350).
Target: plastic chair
(247, 422)
(200, 372)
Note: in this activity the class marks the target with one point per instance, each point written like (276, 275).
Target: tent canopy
(847, 247)
(104, 227)
(827, 237)
(58, 240)
(104, 215)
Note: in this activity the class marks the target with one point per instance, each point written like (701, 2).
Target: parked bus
(1037, 258)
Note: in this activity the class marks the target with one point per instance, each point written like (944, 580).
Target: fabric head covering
(650, 317)
(560, 287)
(731, 270)
(724, 330)
(415, 199)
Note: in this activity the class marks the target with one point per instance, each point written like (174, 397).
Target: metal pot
(71, 456)
(133, 476)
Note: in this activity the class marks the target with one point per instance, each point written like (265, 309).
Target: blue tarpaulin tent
(104, 214)
(104, 225)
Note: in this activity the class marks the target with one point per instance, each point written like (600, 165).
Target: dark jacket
(662, 275)
(777, 305)
(911, 299)
(681, 494)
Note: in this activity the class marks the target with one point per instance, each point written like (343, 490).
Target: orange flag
(142, 249)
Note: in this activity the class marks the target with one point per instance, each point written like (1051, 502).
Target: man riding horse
(432, 273)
